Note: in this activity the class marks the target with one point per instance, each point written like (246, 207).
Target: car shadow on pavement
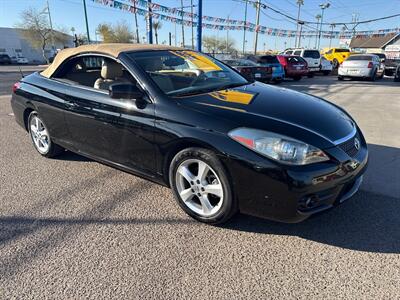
(71, 156)
(370, 221)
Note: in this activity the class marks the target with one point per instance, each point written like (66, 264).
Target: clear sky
(69, 13)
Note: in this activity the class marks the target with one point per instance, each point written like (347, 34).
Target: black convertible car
(186, 120)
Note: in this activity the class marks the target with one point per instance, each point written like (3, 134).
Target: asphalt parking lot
(72, 228)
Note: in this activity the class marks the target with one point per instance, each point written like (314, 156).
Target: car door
(114, 130)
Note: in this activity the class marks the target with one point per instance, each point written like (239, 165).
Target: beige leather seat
(111, 72)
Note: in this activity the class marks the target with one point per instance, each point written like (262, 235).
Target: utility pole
(136, 23)
(191, 11)
(86, 21)
(227, 36)
(183, 26)
(258, 5)
(199, 24)
(51, 26)
(149, 23)
(323, 7)
(330, 40)
(299, 3)
(244, 27)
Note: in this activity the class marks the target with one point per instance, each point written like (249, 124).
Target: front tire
(41, 138)
(201, 186)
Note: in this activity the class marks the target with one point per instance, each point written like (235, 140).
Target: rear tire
(40, 137)
(297, 78)
(201, 186)
(335, 63)
(340, 78)
(373, 77)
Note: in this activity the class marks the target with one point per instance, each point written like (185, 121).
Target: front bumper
(292, 194)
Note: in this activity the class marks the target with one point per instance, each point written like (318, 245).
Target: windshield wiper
(208, 90)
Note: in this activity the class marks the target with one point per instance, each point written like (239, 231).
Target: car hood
(267, 107)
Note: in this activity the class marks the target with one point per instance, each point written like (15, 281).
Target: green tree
(156, 26)
(212, 44)
(119, 33)
(35, 29)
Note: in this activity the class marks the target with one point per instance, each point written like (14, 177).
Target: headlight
(278, 147)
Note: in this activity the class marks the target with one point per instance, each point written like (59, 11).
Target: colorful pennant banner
(160, 12)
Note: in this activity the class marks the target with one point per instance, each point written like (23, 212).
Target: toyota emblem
(357, 143)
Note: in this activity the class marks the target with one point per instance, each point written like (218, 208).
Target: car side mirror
(125, 91)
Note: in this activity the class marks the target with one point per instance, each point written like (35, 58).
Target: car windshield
(360, 57)
(311, 54)
(185, 72)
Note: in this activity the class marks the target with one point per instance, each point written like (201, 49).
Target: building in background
(374, 44)
(15, 45)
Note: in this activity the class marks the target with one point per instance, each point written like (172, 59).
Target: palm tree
(156, 26)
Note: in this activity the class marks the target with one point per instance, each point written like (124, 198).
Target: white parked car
(326, 66)
(361, 66)
(312, 57)
(22, 60)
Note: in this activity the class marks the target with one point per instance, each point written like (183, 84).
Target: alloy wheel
(199, 187)
(39, 134)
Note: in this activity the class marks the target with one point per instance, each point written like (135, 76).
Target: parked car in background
(361, 66)
(14, 60)
(312, 57)
(337, 56)
(22, 60)
(272, 61)
(5, 59)
(294, 67)
(250, 70)
(397, 74)
(326, 66)
(391, 66)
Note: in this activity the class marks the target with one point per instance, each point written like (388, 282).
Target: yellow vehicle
(337, 55)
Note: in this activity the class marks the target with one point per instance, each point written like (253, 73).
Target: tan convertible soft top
(109, 49)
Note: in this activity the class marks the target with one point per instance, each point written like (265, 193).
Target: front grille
(349, 146)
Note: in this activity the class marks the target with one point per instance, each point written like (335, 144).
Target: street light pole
(300, 3)
(318, 17)
(191, 11)
(183, 26)
(86, 21)
(244, 27)
(323, 7)
(301, 31)
(258, 4)
(149, 23)
(199, 24)
(136, 23)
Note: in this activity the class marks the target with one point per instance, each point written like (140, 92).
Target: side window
(93, 71)
(289, 52)
(329, 52)
(297, 52)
